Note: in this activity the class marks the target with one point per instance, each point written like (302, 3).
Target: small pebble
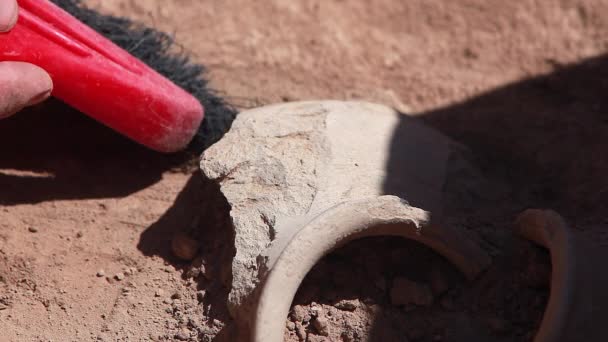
(300, 314)
(158, 293)
(321, 325)
(184, 247)
(167, 301)
(301, 331)
(32, 229)
(101, 273)
(347, 305)
(291, 326)
(176, 295)
(119, 276)
(79, 234)
(183, 335)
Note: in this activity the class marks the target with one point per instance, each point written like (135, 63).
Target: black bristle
(157, 50)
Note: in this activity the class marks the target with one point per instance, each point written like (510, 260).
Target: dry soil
(87, 217)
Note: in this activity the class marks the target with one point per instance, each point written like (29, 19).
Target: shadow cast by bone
(542, 139)
(546, 136)
(201, 212)
(52, 152)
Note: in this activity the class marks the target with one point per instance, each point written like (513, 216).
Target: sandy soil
(87, 217)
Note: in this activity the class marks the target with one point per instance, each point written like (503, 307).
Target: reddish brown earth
(522, 83)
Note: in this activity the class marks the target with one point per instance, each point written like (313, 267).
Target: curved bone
(386, 215)
(578, 304)
(281, 166)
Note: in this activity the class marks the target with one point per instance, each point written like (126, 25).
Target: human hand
(21, 84)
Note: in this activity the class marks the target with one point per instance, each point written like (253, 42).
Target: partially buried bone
(304, 178)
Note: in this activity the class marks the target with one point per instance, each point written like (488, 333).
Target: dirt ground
(87, 217)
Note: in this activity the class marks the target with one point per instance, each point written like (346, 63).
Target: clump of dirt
(386, 289)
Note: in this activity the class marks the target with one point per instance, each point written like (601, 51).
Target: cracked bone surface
(284, 167)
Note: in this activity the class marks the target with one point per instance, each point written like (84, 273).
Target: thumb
(8, 14)
(22, 85)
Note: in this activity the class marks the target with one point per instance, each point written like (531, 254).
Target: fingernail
(8, 15)
(39, 98)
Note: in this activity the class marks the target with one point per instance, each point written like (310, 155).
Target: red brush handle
(102, 80)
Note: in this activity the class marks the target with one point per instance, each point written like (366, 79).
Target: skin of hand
(21, 84)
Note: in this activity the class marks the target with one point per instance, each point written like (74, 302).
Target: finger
(22, 85)
(8, 14)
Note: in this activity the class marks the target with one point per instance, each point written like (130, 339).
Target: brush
(102, 80)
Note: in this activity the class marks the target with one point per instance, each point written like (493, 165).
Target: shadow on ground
(52, 152)
(546, 136)
(201, 212)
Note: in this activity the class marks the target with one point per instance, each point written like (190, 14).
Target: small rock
(405, 291)
(218, 323)
(176, 295)
(301, 314)
(159, 293)
(291, 326)
(347, 305)
(184, 247)
(301, 331)
(119, 276)
(200, 295)
(79, 235)
(32, 229)
(101, 273)
(197, 268)
(167, 301)
(193, 272)
(498, 325)
(183, 335)
(321, 325)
